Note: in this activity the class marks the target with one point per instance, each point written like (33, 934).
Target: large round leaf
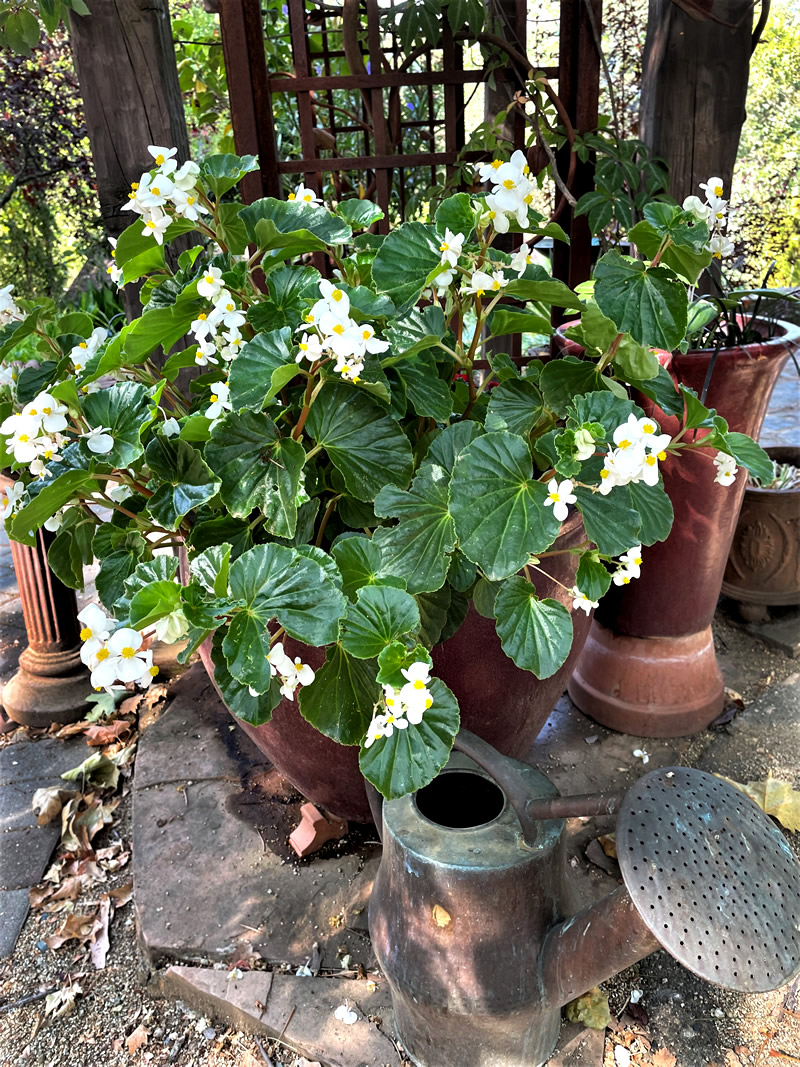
(411, 758)
(536, 634)
(256, 710)
(497, 505)
(368, 447)
(258, 468)
(404, 261)
(380, 615)
(124, 411)
(186, 481)
(340, 700)
(261, 368)
(649, 303)
(515, 405)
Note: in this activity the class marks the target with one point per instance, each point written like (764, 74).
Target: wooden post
(694, 87)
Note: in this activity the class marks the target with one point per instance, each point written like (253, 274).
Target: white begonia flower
(487, 172)
(99, 440)
(95, 631)
(641, 754)
(720, 246)
(211, 284)
(226, 312)
(370, 342)
(9, 311)
(383, 726)
(442, 282)
(50, 411)
(294, 673)
(451, 247)
(170, 427)
(220, 400)
(349, 369)
(302, 195)
(22, 442)
(585, 446)
(310, 348)
(581, 601)
(632, 561)
(623, 575)
(187, 205)
(495, 215)
(415, 696)
(628, 433)
(521, 259)
(134, 203)
(696, 206)
(202, 326)
(206, 354)
(10, 499)
(336, 298)
(481, 283)
(47, 451)
(231, 349)
(8, 375)
(726, 469)
(278, 661)
(124, 659)
(156, 226)
(164, 157)
(559, 495)
(53, 523)
(172, 627)
(154, 193)
(713, 189)
(185, 177)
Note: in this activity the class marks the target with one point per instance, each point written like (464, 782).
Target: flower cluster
(714, 212)
(217, 330)
(33, 435)
(167, 185)
(292, 672)
(639, 447)
(512, 191)
(630, 566)
(9, 312)
(113, 656)
(336, 335)
(403, 706)
(83, 351)
(726, 469)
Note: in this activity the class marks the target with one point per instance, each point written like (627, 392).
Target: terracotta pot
(764, 561)
(501, 703)
(649, 666)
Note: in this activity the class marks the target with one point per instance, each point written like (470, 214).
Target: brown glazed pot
(648, 667)
(764, 561)
(501, 703)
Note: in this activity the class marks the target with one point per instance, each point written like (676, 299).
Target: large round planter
(499, 702)
(649, 667)
(764, 562)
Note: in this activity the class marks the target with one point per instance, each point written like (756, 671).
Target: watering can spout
(591, 947)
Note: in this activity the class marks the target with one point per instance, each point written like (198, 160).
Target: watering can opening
(461, 800)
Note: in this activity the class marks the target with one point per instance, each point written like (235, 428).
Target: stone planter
(649, 667)
(764, 563)
(500, 702)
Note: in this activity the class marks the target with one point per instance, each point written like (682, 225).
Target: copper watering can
(467, 915)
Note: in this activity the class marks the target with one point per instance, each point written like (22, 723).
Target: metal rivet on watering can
(707, 876)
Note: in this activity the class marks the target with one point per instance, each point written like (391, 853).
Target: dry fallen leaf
(663, 1058)
(591, 1009)
(731, 1059)
(62, 1001)
(78, 927)
(104, 734)
(100, 943)
(96, 770)
(608, 843)
(773, 796)
(137, 1039)
(122, 894)
(49, 802)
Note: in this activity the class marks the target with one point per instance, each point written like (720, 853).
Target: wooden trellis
(387, 134)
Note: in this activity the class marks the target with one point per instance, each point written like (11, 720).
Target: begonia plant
(335, 469)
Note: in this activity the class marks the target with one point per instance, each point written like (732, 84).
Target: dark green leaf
(433, 608)
(340, 700)
(359, 214)
(154, 602)
(396, 658)
(359, 562)
(593, 578)
(610, 521)
(221, 172)
(537, 284)
(256, 710)
(403, 262)
(516, 406)
(417, 330)
(291, 291)
(563, 379)
(450, 443)
(125, 410)
(51, 499)
(456, 213)
(651, 303)
(252, 374)
(380, 615)
(185, 480)
(535, 634)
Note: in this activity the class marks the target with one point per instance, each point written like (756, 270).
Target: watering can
(469, 911)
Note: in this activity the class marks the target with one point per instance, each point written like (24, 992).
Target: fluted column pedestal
(51, 684)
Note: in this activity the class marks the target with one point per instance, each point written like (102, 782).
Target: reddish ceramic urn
(648, 666)
(501, 703)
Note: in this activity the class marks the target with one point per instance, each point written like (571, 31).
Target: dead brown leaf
(122, 894)
(743, 1052)
(608, 843)
(249, 1060)
(137, 1039)
(49, 802)
(72, 728)
(731, 1059)
(664, 1058)
(104, 734)
(775, 797)
(74, 927)
(100, 942)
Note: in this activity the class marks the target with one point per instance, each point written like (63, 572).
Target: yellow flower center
(366, 334)
(492, 215)
(82, 344)
(47, 411)
(33, 411)
(159, 159)
(717, 190)
(508, 184)
(495, 285)
(134, 186)
(85, 634)
(156, 190)
(150, 225)
(202, 316)
(230, 307)
(303, 346)
(190, 200)
(390, 702)
(553, 496)
(214, 398)
(390, 718)
(444, 246)
(308, 197)
(662, 455)
(291, 196)
(338, 328)
(309, 317)
(625, 580)
(209, 280)
(48, 453)
(497, 164)
(337, 294)
(651, 461)
(479, 292)
(419, 684)
(127, 652)
(428, 703)
(528, 199)
(603, 474)
(102, 653)
(649, 428)
(153, 671)
(23, 437)
(625, 444)
(638, 561)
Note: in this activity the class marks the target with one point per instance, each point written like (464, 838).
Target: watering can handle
(531, 810)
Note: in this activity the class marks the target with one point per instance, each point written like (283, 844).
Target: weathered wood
(125, 61)
(694, 87)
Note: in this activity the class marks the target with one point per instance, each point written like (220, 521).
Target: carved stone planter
(764, 562)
